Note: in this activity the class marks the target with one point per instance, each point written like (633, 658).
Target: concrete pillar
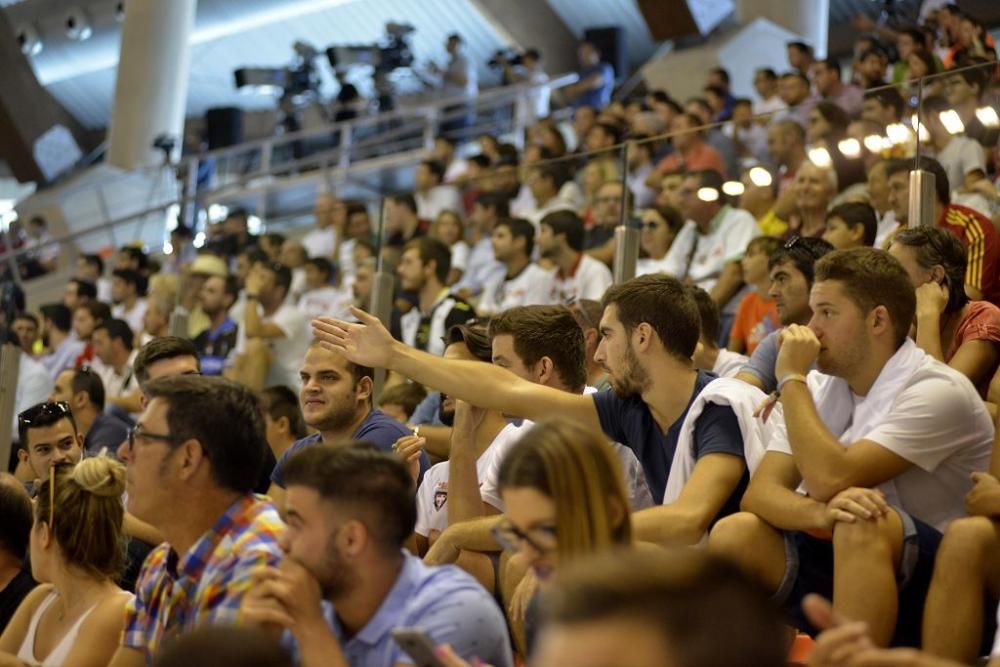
(808, 18)
(151, 89)
(529, 23)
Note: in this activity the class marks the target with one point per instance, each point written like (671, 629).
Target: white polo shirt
(589, 279)
(532, 286)
(700, 257)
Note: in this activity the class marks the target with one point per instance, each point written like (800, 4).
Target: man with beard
(345, 583)
(216, 296)
(336, 400)
(650, 328)
(578, 275)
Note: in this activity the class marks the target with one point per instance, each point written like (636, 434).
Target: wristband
(252, 297)
(791, 377)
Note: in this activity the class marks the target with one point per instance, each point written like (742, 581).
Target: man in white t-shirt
(523, 282)
(546, 183)
(127, 286)
(578, 275)
(881, 444)
(714, 235)
(321, 297)
(321, 241)
(274, 334)
(962, 158)
(431, 195)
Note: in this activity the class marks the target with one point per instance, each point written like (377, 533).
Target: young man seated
(852, 225)
(883, 441)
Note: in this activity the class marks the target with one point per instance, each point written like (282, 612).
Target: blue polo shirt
(378, 429)
(444, 602)
(598, 98)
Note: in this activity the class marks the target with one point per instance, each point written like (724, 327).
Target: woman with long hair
(565, 498)
(75, 616)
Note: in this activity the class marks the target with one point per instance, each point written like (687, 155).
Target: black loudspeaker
(610, 41)
(224, 127)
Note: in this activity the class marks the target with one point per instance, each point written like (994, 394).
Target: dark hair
(436, 168)
(942, 188)
(98, 310)
(742, 102)
(280, 401)
(718, 91)
(722, 72)
(273, 238)
(118, 329)
(376, 486)
(130, 276)
(520, 229)
(222, 645)
(546, 331)
(682, 595)
(768, 244)
(857, 213)
(802, 254)
(974, 76)
(767, 73)
(159, 349)
(321, 264)
(282, 275)
(480, 161)
(224, 417)
(58, 314)
(708, 313)
(801, 46)
(15, 508)
(873, 278)
(25, 315)
(934, 246)
(610, 129)
(231, 286)
(709, 178)
(888, 97)
(86, 379)
(95, 261)
(407, 395)
(831, 64)
(496, 201)
(835, 116)
(568, 223)
(406, 200)
(475, 336)
(84, 288)
(45, 416)
(928, 60)
(557, 172)
(664, 304)
(137, 254)
(433, 250)
(874, 50)
(356, 207)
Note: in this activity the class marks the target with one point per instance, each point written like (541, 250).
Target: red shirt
(982, 245)
(700, 157)
(979, 320)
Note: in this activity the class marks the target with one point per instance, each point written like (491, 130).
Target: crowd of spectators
(787, 419)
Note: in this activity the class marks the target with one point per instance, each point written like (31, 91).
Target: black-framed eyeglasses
(542, 539)
(43, 414)
(138, 433)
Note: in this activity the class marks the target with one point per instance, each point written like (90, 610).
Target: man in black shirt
(15, 582)
(216, 343)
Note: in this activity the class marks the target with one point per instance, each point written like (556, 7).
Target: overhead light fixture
(760, 177)
(77, 25)
(28, 40)
(873, 143)
(849, 148)
(898, 133)
(708, 194)
(952, 121)
(733, 188)
(820, 157)
(988, 116)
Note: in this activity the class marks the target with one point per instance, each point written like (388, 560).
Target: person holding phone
(951, 328)
(346, 583)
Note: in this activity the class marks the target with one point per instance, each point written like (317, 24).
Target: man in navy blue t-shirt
(336, 400)
(597, 79)
(649, 331)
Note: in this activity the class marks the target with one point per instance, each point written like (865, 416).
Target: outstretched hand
(366, 344)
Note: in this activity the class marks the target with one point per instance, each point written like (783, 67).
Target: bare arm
(475, 535)
(484, 385)
(751, 379)
(254, 325)
(437, 440)
(684, 521)
(771, 495)
(974, 359)
(729, 283)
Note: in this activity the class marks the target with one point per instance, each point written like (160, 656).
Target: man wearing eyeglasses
(48, 435)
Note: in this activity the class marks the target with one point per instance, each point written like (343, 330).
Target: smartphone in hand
(418, 645)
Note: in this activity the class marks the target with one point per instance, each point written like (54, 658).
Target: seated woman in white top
(450, 230)
(76, 615)
(660, 225)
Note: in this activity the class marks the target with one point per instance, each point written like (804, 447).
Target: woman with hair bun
(75, 616)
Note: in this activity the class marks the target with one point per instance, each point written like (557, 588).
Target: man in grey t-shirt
(791, 268)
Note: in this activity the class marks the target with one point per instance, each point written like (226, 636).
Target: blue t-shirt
(629, 421)
(445, 602)
(598, 98)
(378, 429)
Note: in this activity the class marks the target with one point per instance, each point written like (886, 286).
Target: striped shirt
(176, 594)
(982, 245)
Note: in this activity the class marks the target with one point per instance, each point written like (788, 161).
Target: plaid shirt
(206, 586)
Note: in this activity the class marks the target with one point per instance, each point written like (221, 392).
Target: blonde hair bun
(100, 475)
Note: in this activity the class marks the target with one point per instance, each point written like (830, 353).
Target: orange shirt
(756, 317)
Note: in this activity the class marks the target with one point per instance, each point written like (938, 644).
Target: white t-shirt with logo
(589, 280)
(532, 286)
(432, 496)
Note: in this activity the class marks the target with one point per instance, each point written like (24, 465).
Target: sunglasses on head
(44, 413)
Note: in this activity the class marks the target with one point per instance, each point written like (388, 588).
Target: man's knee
(731, 535)
(875, 539)
(970, 540)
